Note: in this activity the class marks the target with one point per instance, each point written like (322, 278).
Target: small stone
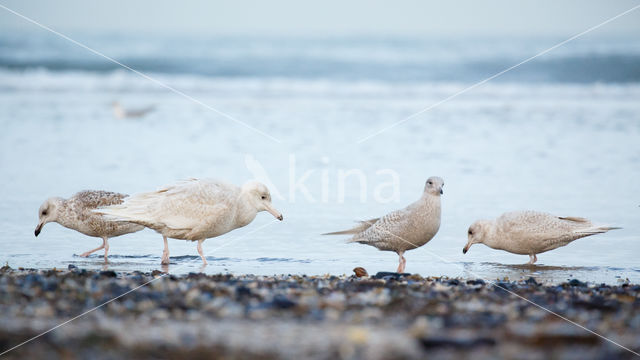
(385, 275)
(531, 281)
(457, 343)
(108, 273)
(156, 273)
(576, 282)
(282, 302)
(475, 282)
(243, 291)
(358, 335)
(360, 272)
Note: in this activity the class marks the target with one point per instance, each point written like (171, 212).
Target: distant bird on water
(76, 213)
(194, 210)
(403, 229)
(530, 232)
(121, 113)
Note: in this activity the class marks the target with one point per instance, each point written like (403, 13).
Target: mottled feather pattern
(96, 198)
(532, 232)
(76, 213)
(402, 229)
(381, 233)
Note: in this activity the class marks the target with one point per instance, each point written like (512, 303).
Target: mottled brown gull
(530, 232)
(403, 229)
(195, 210)
(76, 213)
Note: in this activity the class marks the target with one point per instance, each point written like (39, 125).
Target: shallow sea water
(563, 147)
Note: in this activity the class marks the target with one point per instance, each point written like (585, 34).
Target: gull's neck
(246, 211)
(429, 198)
(63, 216)
(493, 236)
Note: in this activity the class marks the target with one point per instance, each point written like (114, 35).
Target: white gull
(195, 210)
(121, 113)
(530, 232)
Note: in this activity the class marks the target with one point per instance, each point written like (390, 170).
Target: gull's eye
(429, 182)
(470, 232)
(44, 212)
(263, 197)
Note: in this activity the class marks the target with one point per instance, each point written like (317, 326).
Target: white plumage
(530, 232)
(195, 209)
(121, 113)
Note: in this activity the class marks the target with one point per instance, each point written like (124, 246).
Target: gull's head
(47, 213)
(434, 186)
(260, 197)
(476, 234)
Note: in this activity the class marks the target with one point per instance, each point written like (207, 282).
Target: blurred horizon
(387, 60)
(330, 18)
(359, 41)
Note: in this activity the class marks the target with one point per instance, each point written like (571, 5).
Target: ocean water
(560, 134)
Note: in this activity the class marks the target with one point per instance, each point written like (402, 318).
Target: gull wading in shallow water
(195, 210)
(530, 232)
(403, 229)
(76, 213)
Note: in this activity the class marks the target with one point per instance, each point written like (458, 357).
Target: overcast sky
(328, 17)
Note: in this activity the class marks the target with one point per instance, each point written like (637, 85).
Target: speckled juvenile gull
(195, 210)
(530, 232)
(76, 213)
(403, 229)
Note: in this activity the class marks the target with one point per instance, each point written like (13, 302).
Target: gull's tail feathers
(596, 230)
(363, 225)
(134, 209)
(575, 219)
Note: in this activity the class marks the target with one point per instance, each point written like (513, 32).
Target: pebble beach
(387, 315)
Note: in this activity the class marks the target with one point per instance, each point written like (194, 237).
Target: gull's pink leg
(165, 252)
(532, 259)
(204, 261)
(104, 242)
(402, 263)
(106, 249)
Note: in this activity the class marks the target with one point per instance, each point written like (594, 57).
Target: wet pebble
(464, 343)
(390, 275)
(108, 273)
(576, 282)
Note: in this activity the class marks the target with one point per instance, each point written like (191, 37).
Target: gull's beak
(274, 212)
(38, 228)
(466, 248)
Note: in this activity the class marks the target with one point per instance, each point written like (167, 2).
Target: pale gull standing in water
(530, 232)
(403, 229)
(195, 210)
(76, 213)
